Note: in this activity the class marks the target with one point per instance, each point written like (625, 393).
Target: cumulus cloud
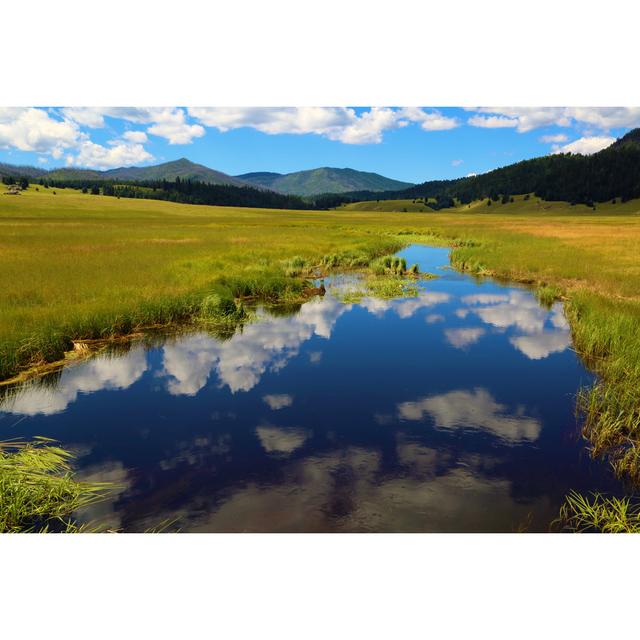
(87, 116)
(172, 125)
(492, 122)
(118, 153)
(30, 129)
(135, 136)
(528, 118)
(336, 123)
(585, 146)
(429, 120)
(166, 122)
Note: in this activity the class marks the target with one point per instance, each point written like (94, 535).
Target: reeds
(38, 489)
(597, 513)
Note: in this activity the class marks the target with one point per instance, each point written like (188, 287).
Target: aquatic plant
(38, 489)
(598, 514)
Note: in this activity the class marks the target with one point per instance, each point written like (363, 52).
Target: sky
(413, 144)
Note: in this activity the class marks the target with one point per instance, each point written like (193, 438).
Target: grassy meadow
(80, 266)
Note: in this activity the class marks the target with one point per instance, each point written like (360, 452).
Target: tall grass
(607, 334)
(38, 490)
(598, 514)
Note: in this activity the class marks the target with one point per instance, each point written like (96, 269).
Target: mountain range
(323, 180)
(301, 183)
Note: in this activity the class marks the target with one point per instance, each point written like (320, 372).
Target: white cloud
(172, 125)
(336, 123)
(492, 122)
(30, 129)
(607, 117)
(117, 154)
(558, 137)
(428, 120)
(456, 163)
(528, 118)
(585, 146)
(166, 122)
(135, 136)
(87, 116)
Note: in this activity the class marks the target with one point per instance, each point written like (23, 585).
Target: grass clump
(38, 490)
(218, 307)
(548, 294)
(391, 287)
(390, 265)
(598, 514)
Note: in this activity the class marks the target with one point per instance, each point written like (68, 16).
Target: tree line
(185, 191)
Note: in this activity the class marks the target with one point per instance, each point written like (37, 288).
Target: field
(81, 266)
(399, 206)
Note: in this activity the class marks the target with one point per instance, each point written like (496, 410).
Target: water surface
(449, 411)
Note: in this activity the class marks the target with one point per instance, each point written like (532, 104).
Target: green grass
(399, 206)
(598, 514)
(38, 490)
(78, 266)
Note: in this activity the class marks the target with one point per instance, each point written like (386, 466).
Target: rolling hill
(183, 169)
(323, 180)
(13, 170)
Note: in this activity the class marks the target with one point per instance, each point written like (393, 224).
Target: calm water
(452, 411)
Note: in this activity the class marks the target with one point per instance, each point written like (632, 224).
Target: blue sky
(413, 144)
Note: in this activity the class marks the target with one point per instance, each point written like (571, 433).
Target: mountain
(630, 139)
(323, 180)
(14, 170)
(183, 169)
(261, 178)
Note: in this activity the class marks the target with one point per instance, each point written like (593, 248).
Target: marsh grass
(548, 294)
(385, 287)
(38, 490)
(598, 514)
